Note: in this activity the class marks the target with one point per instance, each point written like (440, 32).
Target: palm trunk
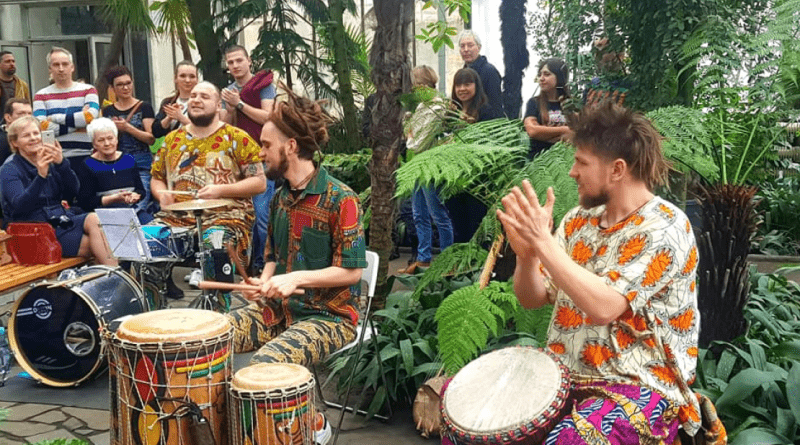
(515, 54)
(206, 40)
(390, 60)
(184, 42)
(112, 59)
(723, 274)
(342, 69)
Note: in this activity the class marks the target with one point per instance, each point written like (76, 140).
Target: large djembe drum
(169, 376)
(272, 404)
(514, 396)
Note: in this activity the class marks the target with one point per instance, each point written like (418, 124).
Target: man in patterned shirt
(210, 160)
(314, 252)
(620, 271)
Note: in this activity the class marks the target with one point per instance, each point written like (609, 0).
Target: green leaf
(742, 386)
(726, 362)
(793, 391)
(788, 350)
(408, 355)
(759, 435)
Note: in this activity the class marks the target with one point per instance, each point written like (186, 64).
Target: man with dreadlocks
(314, 251)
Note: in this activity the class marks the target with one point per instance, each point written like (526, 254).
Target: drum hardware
(77, 280)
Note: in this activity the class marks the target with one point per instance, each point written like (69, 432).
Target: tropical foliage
(754, 380)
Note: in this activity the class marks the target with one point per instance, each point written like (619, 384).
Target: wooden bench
(13, 275)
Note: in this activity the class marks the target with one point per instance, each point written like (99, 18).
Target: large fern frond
(458, 259)
(465, 320)
(534, 321)
(687, 141)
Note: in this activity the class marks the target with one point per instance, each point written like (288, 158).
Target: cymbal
(197, 204)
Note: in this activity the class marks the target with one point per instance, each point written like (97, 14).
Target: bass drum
(55, 327)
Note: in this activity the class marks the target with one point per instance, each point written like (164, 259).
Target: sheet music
(124, 234)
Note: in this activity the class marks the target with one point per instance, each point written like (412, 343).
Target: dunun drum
(54, 328)
(510, 396)
(272, 404)
(170, 368)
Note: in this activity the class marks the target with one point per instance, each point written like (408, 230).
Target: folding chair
(364, 332)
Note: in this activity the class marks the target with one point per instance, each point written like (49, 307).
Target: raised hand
(525, 221)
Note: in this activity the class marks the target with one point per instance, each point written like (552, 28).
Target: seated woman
(36, 181)
(544, 120)
(469, 97)
(109, 178)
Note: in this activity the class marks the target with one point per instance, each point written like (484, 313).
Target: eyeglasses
(123, 85)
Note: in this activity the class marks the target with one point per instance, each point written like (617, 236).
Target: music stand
(124, 234)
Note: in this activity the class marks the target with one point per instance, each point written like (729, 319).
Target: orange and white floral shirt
(650, 258)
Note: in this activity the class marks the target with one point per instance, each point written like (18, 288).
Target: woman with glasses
(37, 182)
(134, 120)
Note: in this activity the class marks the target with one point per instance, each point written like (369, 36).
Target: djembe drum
(170, 373)
(272, 404)
(513, 395)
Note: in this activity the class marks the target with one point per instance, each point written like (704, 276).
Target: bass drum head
(54, 329)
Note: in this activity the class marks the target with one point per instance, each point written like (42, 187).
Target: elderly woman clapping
(109, 178)
(35, 184)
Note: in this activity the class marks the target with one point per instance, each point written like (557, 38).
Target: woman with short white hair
(109, 178)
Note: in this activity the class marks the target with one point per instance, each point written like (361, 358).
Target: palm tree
(125, 16)
(173, 20)
(391, 68)
(515, 53)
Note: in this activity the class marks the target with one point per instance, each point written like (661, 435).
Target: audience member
(545, 121)
(423, 128)
(469, 97)
(35, 185)
(109, 177)
(11, 86)
(172, 111)
(611, 83)
(66, 107)
(134, 120)
(470, 48)
(14, 109)
(248, 102)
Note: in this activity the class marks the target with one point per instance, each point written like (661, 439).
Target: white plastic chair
(364, 332)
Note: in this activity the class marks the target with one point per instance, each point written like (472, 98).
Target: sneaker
(173, 291)
(322, 430)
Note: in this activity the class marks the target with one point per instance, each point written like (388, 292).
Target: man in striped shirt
(66, 107)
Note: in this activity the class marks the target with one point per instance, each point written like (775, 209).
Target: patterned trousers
(304, 343)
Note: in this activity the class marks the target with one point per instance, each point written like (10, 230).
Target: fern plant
(469, 317)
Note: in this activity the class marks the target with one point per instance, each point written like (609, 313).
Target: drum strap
(199, 429)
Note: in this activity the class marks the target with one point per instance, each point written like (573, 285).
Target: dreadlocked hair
(303, 120)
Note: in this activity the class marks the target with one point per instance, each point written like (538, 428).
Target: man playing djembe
(212, 160)
(620, 271)
(315, 248)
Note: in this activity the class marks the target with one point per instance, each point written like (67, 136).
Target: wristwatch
(240, 105)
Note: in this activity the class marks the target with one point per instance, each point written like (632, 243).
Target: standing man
(470, 48)
(10, 84)
(213, 160)
(66, 107)
(247, 103)
(620, 271)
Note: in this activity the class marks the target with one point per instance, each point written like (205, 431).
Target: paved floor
(35, 412)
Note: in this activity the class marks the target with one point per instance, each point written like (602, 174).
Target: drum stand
(208, 299)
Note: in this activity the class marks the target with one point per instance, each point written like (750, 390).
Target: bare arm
(145, 136)
(259, 115)
(528, 225)
(541, 132)
(156, 187)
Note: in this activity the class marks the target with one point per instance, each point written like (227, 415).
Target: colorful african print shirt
(187, 163)
(650, 258)
(319, 228)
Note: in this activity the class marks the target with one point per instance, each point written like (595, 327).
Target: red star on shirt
(221, 174)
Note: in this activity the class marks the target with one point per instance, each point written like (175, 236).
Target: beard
(10, 72)
(202, 120)
(276, 172)
(591, 201)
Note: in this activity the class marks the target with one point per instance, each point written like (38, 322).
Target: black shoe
(173, 291)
